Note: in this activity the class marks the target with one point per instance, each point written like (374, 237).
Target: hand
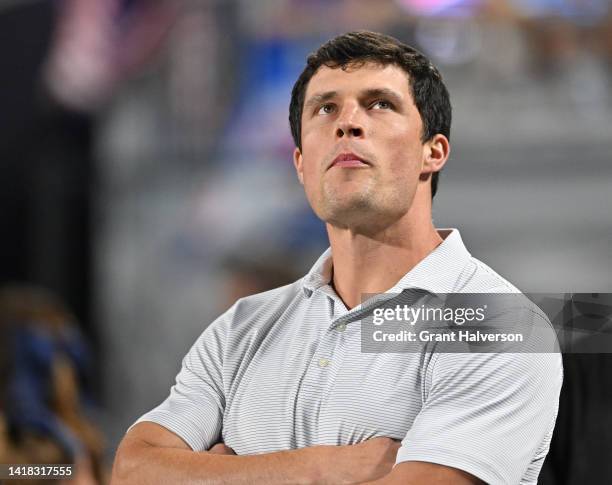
(221, 449)
(366, 461)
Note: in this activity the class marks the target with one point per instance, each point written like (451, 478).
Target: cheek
(312, 140)
(404, 148)
(314, 152)
(311, 175)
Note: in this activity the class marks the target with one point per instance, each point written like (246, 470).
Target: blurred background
(146, 181)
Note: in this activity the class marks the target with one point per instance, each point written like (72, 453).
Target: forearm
(149, 465)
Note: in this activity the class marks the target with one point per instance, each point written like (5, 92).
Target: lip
(349, 160)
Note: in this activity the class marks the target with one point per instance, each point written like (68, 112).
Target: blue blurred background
(146, 173)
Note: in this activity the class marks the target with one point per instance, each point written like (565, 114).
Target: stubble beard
(364, 210)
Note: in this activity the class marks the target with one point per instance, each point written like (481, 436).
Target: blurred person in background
(45, 381)
(370, 118)
(62, 63)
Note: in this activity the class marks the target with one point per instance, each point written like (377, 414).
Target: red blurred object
(100, 43)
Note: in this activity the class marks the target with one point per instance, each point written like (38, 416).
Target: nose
(349, 125)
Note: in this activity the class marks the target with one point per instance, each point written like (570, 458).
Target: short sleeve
(194, 408)
(489, 414)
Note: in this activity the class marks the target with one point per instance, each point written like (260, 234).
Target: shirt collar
(437, 273)
(320, 274)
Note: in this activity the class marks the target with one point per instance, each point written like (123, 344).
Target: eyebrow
(320, 98)
(317, 99)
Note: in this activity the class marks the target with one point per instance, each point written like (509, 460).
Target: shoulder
(478, 277)
(268, 303)
(239, 326)
(507, 306)
(253, 312)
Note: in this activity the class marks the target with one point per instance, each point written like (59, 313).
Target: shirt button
(341, 327)
(323, 362)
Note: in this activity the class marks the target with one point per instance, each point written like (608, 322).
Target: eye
(326, 109)
(382, 104)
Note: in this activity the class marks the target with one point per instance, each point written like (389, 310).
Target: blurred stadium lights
(581, 11)
(439, 7)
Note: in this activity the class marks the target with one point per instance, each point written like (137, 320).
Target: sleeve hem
(183, 428)
(479, 469)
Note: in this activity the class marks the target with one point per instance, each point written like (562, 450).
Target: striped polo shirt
(285, 369)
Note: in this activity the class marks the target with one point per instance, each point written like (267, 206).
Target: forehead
(355, 78)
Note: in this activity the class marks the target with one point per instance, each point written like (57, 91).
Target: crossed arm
(151, 454)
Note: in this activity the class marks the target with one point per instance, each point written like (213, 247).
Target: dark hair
(428, 90)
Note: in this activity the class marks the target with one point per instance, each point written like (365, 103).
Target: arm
(150, 454)
(490, 415)
(423, 473)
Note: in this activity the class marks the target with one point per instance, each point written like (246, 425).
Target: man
(278, 390)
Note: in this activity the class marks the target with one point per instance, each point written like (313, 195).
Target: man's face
(361, 145)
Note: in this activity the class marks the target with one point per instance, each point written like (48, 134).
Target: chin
(351, 215)
(364, 214)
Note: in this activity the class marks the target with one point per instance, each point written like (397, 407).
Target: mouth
(349, 160)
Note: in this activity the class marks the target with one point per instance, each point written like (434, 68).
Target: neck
(375, 262)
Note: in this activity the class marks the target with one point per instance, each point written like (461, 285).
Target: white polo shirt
(284, 369)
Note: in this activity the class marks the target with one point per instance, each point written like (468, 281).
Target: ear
(435, 154)
(298, 162)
